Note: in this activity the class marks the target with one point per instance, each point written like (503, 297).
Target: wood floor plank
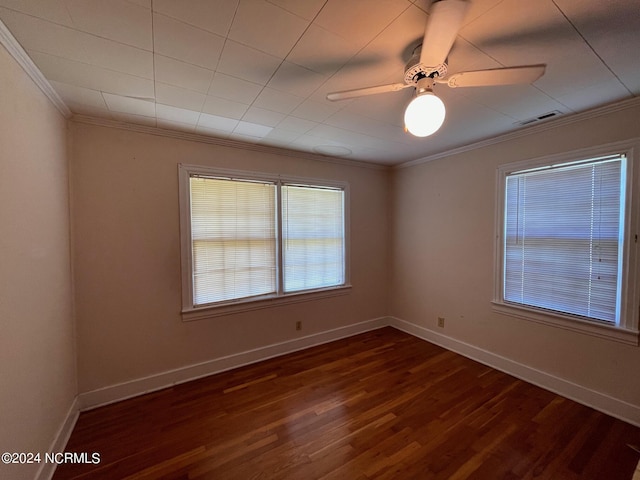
(380, 405)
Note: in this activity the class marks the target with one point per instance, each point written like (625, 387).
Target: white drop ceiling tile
(295, 79)
(594, 95)
(388, 107)
(46, 37)
(178, 40)
(626, 72)
(79, 95)
(214, 16)
(263, 116)
(266, 27)
(233, 88)
(277, 101)
(405, 31)
(283, 135)
(359, 21)
(224, 107)
(513, 33)
(217, 123)
(53, 10)
(471, 121)
(322, 51)
(366, 126)
(465, 56)
(358, 73)
(520, 102)
(376, 155)
(181, 74)
(346, 137)
(175, 125)
(565, 75)
(175, 114)
(134, 106)
(478, 8)
(611, 28)
(344, 119)
(307, 9)
(316, 144)
(296, 124)
(179, 97)
(251, 129)
(307, 142)
(91, 76)
(247, 63)
(317, 110)
(212, 132)
(117, 20)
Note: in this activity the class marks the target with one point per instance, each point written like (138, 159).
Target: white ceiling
(258, 70)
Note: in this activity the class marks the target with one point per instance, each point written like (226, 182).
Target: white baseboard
(47, 469)
(604, 403)
(133, 388)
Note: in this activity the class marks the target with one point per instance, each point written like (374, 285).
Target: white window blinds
(233, 233)
(259, 237)
(313, 237)
(563, 237)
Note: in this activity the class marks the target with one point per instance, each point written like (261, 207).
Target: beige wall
(443, 258)
(37, 355)
(127, 257)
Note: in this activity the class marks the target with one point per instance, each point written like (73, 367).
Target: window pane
(313, 237)
(562, 238)
(233, 239)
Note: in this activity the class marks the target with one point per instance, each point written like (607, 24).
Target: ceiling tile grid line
(586, 41)
(259, 70)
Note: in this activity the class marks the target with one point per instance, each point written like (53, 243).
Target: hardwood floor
(381, 405)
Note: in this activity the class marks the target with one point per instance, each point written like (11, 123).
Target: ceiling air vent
(544, 116)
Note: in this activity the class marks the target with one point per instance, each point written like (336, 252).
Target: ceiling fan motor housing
(414, 70)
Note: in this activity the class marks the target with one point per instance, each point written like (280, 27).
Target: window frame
(196, 312)
(626, 330)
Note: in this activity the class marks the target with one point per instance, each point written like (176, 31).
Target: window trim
(191, 312)
(626, 331)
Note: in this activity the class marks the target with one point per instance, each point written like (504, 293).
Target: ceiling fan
(428, 65)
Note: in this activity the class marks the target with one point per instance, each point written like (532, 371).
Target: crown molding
(530, 130)
(223, 142)
(18, 53)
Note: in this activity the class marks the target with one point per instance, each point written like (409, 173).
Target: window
(233, 239)
(564, 247)
(248, 238)
(312, 236)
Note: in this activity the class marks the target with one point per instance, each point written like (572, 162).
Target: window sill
(210, 311)
(567, 322)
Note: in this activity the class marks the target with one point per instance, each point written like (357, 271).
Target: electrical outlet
(441, 322)
(298, 325)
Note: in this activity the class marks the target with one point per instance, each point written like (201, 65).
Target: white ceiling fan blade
(445, 19)
(496, 76)
(361, 92)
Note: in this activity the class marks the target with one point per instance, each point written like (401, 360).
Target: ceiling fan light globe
(424, 115)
